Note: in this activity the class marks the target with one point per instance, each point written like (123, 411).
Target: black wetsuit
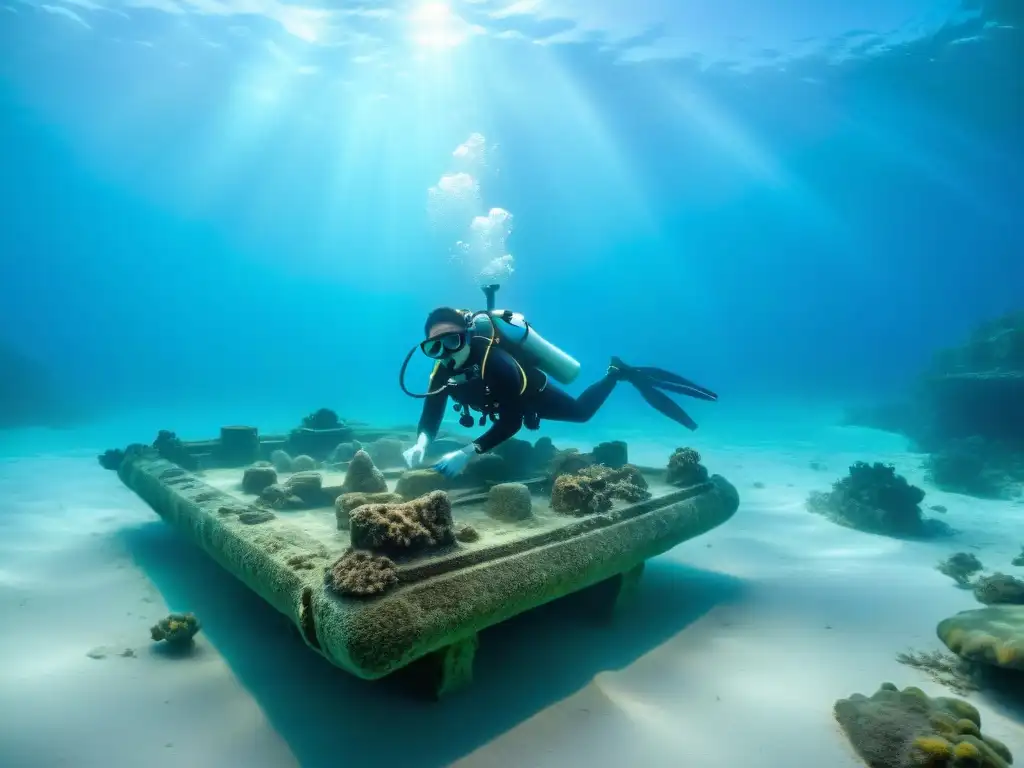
(513, 394)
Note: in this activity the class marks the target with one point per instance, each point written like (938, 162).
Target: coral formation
(324, 418)
(307, 485)
(567, 462)
(873, 498)
(111, 459)
(509, 502)
(592, 489)
(361, 574)
(417, 482)
(685, 469)
(900, 729)
(960, 567)
(362, 476)
(303, 463)
(467, 534)
(344, 452)
(404, 528)
(281, 460)
(386, 452)
(613, 454)
(255, 479)
(346, 502)
(170, 447)
(178, 629)
(999, 589)
(992, 635)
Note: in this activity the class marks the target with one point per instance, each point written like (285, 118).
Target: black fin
(674, 383)
(661, 402)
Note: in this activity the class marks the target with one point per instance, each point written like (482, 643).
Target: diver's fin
(673, 382)
(662, 403)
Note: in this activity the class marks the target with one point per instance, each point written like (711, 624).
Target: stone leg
(606, 598)
(445, 671)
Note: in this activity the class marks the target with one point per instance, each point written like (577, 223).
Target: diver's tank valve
(512, 328)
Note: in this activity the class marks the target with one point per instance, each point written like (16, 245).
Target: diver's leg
(555, 404)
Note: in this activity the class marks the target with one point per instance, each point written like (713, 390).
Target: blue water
(219, 211)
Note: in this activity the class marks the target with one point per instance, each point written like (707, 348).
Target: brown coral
(404, 528)
(362, 476)
(592, 489)
(345, 503)
(685, 469)
(361, 574)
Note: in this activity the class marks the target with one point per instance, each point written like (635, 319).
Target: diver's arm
(433, 407)
(505, 427)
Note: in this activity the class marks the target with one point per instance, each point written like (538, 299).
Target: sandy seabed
(733, 654)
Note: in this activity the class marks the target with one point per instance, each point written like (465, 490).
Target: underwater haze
(238, 212)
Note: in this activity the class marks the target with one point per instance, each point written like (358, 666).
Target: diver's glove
(414, 456)
(454, 463)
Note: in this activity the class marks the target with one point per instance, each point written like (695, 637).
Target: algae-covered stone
(363, 477)
(960, 567)
(387, 452)
(592, 489)
(992, 635)
(404, 528)
(900, 729)
(509, 502)
(255, 479)
(281, 460)
(999, 589)
(361, 574)
(685, 469)
(307, 485)
(345, 503)
(303, 463)
(178, 629)
(417, 482)
(613, 454)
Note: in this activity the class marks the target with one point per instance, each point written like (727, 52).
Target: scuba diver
(494, 362)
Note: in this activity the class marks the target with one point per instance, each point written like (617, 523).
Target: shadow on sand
(325, 715)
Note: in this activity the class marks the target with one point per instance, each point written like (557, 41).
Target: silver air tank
(539, 352)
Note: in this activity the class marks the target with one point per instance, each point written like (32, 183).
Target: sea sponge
(387, 452)
(900, 729)
(685, 469)
(344, 451)
(509, 502)
(307, 485)
(361, 574)
(999, 589)
(362, 476)
(281, 460)
(960, 567)
(303, 463)
(404, 528)
(177, 630)
(592, 489)
(345, 503)
(417, 482)
(873, 498)
(255, 479)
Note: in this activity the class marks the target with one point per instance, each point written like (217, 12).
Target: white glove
(414, 456)
(453, 464)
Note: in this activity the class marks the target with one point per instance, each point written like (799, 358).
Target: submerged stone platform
(436, 600)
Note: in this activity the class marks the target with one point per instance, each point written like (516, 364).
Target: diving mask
(444, 345)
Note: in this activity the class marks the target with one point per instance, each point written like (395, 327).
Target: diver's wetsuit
(514, 394)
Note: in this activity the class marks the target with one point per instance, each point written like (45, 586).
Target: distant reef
(966, 411)
(30, 394)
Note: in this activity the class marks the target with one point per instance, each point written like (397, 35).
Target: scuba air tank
(523, 342)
